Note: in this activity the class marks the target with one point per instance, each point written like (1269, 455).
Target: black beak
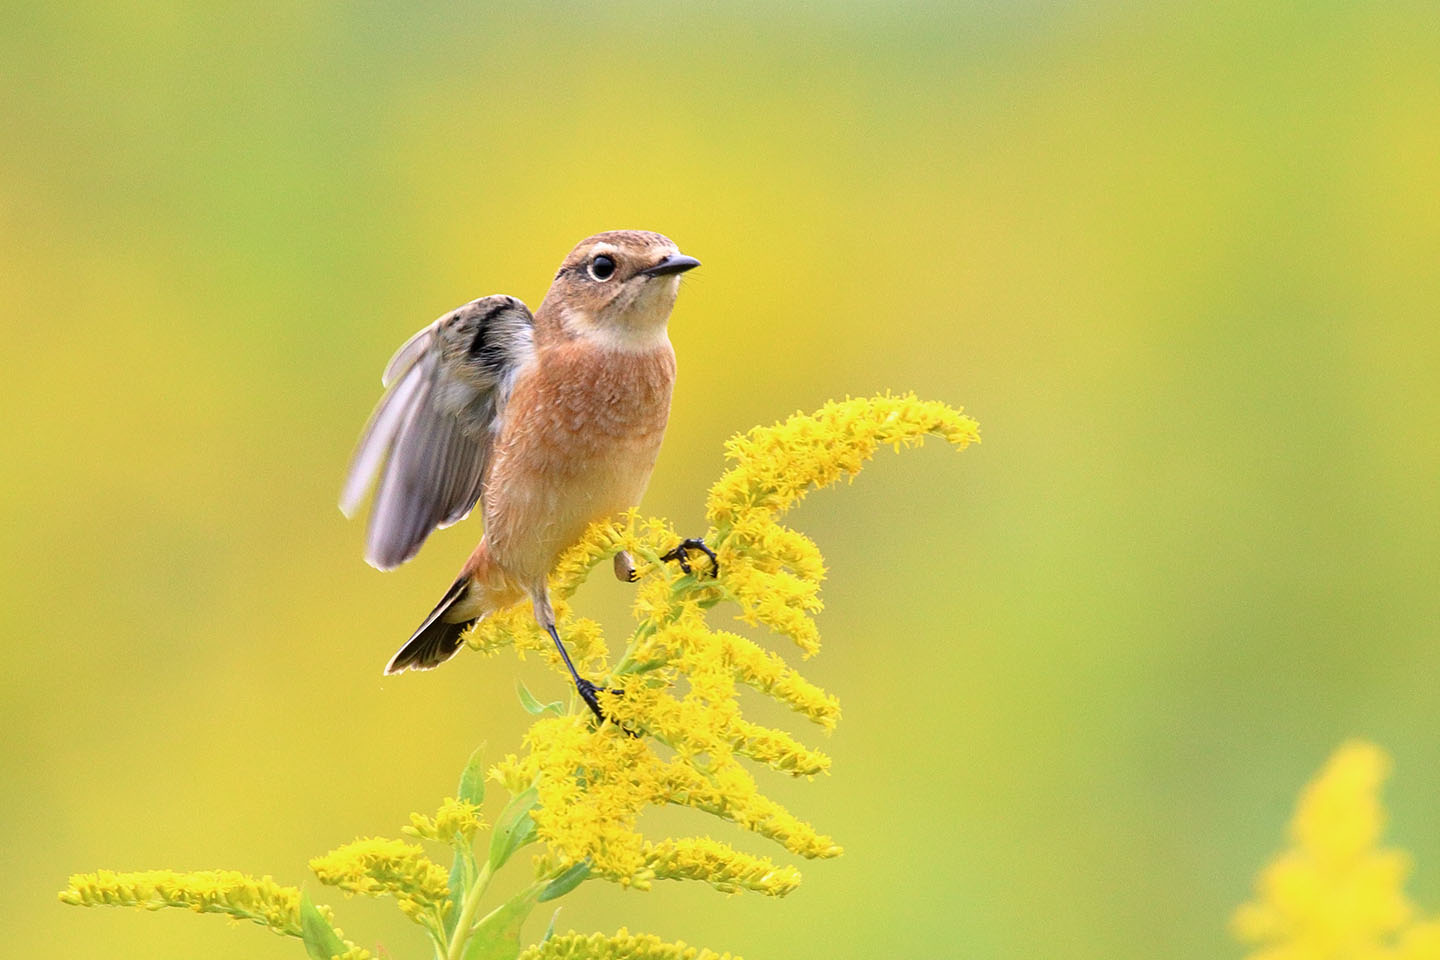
(675, 263)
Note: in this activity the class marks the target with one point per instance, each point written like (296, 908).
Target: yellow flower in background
(1335, 894)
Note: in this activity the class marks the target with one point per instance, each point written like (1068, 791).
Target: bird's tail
(437, 639)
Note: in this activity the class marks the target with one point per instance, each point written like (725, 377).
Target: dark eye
(602, 267)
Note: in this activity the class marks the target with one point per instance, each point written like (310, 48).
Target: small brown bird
(550, 422)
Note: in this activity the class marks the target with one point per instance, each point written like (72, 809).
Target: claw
(585, 688)
(678, 555)
(588, 692)
(692, 543)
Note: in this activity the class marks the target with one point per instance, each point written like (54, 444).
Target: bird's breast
(587, 401)
(581, 433)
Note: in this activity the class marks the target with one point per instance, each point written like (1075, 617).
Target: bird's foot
(625, 567)
(692, 543)
(591, 695)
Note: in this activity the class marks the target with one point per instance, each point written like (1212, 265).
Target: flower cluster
(774, 572)
(676, 684)
(239, 895)
(622, 946)
(1335, 894)
(380, 867)
(456, 820)
(700, 858)
(285, 910)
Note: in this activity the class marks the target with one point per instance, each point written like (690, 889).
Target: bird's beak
(675, 263)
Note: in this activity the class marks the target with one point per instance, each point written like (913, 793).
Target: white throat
(642, 324)
(640, 338)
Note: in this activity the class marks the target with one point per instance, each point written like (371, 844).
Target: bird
(548, 421)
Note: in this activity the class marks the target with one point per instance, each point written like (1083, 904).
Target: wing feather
(410, 351)
(429, 439)
(375, 443)
(417, 488)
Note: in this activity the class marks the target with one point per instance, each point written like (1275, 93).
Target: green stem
(468, 910)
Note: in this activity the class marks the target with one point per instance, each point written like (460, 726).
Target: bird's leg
(585, 688)
(692, 543)
(545, 614)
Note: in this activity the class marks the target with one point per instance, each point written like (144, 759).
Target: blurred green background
(1179, 260)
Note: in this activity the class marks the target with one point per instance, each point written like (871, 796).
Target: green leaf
(321, 941)
(550, 927)
(533, 706)
(459, 880)
(514, 828)
(498, 935)
(566, 882)
(472, 780)
(641, 666)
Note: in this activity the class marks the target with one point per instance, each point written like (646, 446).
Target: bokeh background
(1179, 260)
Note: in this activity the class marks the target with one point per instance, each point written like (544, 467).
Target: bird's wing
(430, 436)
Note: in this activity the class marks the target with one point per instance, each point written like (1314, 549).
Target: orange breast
(582, 431)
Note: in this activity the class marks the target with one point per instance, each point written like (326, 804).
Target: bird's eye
(602, 267)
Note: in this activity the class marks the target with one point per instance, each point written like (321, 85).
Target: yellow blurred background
(1179, 260)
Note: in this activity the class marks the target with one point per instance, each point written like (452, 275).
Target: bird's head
(617, 288)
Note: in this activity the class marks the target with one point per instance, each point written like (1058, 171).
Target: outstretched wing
(430, 436)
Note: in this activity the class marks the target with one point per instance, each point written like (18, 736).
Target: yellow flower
(773, 572)
(380, 867)
(454, 819)
(1335, 893)
(678, 677)
(622, 946)
(720, 865)
(238, 895)
(592, 787)
(776, 466)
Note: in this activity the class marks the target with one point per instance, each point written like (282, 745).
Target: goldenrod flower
(772, 572)
(1335, 894)
(622, 946)
(678, 677)
(776, 466)
(725, 869)
(456, 819)
(380, 867)
(239, 895)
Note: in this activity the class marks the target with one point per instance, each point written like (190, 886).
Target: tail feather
(436, 640)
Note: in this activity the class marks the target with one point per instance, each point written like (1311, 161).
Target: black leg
(585, 688)
(692, 543)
